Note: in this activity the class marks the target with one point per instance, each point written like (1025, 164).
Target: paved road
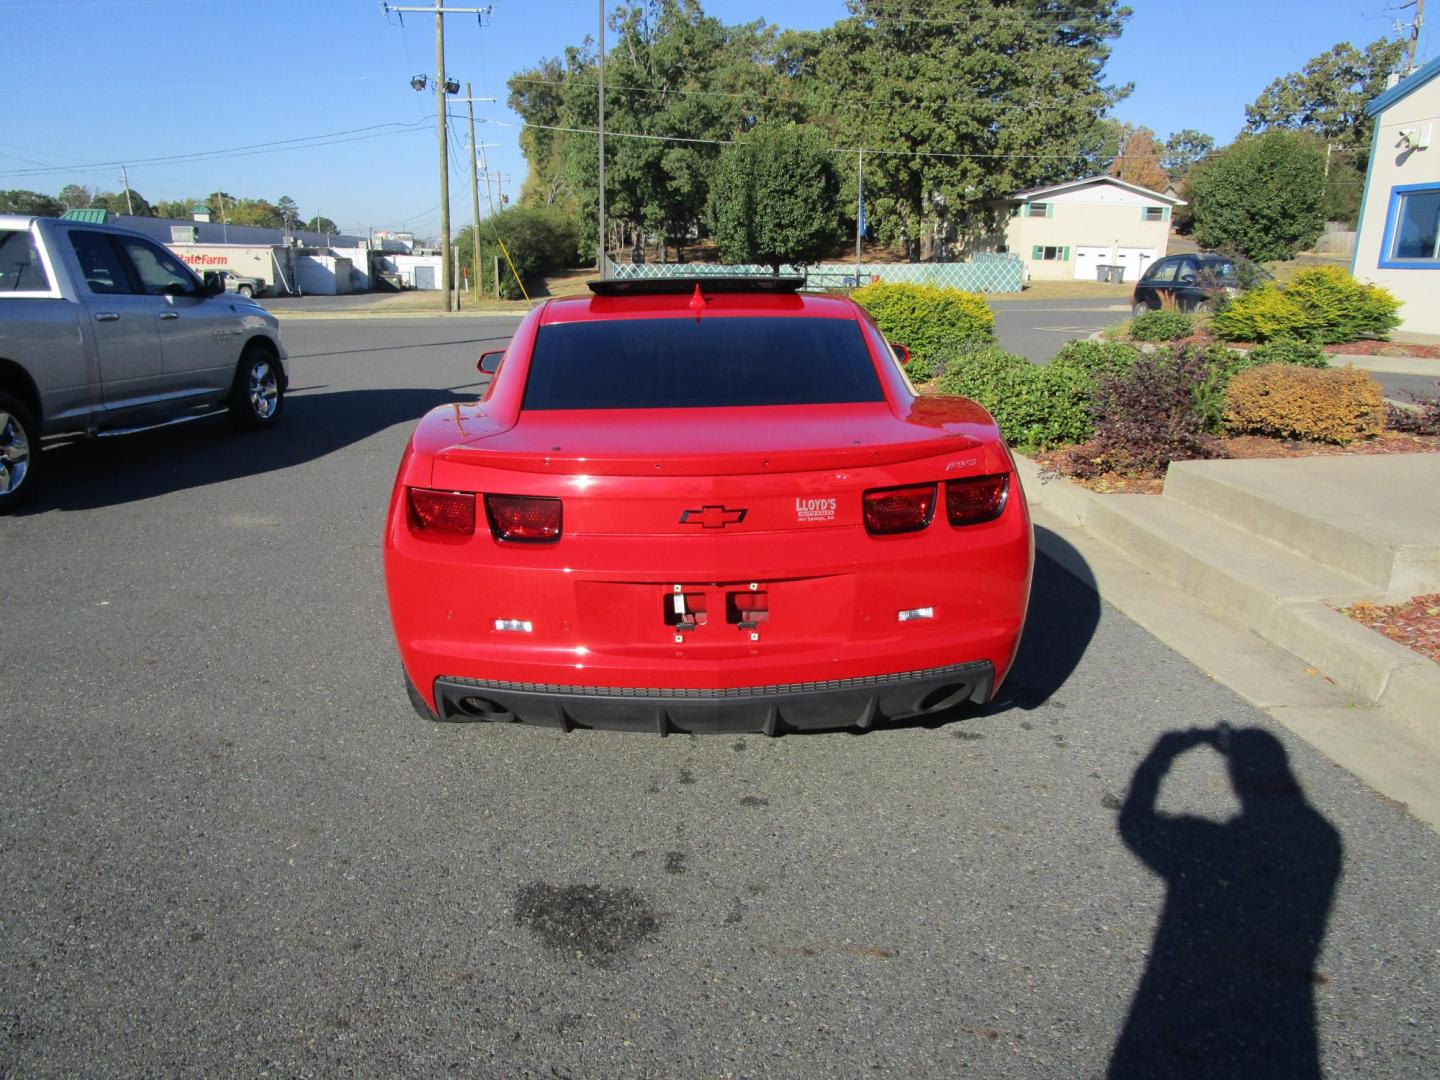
(1036, 329)
(228, 848)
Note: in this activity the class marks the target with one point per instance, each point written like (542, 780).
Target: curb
(1378, 671)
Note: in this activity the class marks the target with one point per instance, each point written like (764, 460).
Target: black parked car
(1194, 280)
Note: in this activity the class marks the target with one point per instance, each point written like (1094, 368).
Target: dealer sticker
(814, 509)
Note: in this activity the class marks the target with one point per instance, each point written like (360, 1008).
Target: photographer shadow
(1229, 989)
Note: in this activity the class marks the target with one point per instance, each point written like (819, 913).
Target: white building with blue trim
(1397, 244)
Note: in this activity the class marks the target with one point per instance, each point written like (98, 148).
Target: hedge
(931, 322)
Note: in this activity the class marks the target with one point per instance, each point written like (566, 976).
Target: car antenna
(697, 302)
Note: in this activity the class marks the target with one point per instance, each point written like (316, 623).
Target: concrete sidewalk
(1241, 565)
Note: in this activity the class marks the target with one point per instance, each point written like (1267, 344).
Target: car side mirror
(902, 350)
(490, 362)
(214, 283)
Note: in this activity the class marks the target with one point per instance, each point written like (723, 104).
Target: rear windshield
(682, 363)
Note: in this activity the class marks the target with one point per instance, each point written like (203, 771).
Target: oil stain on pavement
(592, 922)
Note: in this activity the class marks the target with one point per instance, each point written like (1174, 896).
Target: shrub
(1147, 417)
(1341, 308)
(1321, 304)
(1336, 405)
(1424, 419)
(918, 370)
(1097, 358)
(1284, 351)
(1161, 325)
(931, 322)
(1036, 406)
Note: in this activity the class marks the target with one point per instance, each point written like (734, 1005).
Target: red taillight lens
(976, 499)
(899, 510)
(449, 512)
(522, 519)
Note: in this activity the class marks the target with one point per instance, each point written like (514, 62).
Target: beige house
(1397, 244)
(1071, 231)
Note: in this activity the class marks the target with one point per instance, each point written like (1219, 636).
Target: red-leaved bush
(1147, 418)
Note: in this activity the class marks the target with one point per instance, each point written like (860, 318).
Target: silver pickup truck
(105, 332)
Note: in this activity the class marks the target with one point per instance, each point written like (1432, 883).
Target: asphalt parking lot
(229, 848)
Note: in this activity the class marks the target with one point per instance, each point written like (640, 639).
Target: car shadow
(92, 473)
(1229, 989)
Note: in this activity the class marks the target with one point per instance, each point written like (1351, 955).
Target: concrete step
(1232, 571)
(1375, 518)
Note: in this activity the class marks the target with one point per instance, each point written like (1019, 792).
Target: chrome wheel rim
(14, 454)
(264, 389)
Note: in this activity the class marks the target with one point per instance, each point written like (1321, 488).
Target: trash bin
(1117, 275)
(1102, 272)
(1110, 274)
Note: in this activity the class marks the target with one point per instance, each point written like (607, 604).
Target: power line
(300, 143)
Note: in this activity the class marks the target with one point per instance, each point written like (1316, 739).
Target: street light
(419, 82)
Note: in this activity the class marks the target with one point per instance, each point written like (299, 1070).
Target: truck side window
(20, 267)
(100, 263)
(161, 274)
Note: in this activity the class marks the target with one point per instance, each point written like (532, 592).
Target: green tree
(1183, 150)
(176, 209)
(1262, 197)
(1327, 97)
(539, 239)
(321, 225)
(74, 197)
(964, 104)
(773, 198)
(288, 211)
(117, 203)
(20, 201)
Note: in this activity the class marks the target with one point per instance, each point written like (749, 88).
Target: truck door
(122, 320)
(199, 334)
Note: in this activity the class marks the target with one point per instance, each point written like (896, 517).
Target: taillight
(446, 512)
(976, 499)
(523, 519)
(899, 510)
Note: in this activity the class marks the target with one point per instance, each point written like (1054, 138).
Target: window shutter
(1065, 254)
(1037, 252)
(1049, 209)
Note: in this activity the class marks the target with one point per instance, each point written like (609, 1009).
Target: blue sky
(98, 81)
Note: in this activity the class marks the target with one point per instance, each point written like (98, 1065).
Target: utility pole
(125, 175)
(441, 88)
(860, 216)
(474, 190)
(1415, 33)
(601, 128)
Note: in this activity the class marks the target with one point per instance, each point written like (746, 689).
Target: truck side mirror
(214, 283)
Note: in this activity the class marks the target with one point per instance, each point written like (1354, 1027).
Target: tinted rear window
(687, 364)
(20, 267)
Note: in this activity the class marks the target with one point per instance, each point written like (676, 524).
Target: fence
(986, 273)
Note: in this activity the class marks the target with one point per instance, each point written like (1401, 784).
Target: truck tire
(246, 291)
(19, 453)
(258, 392)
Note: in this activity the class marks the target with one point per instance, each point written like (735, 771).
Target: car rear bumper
(858, 702)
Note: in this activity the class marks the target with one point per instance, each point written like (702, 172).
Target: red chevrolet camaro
(705, 506)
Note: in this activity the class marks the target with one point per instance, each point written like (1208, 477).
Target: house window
(1037, 209)
(1040, 253)
(1154, 213)
(1412, 228)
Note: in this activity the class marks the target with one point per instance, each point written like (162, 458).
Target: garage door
(1135, 261)
(1088, 260)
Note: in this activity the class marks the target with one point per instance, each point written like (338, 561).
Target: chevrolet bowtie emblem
(712, 517)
